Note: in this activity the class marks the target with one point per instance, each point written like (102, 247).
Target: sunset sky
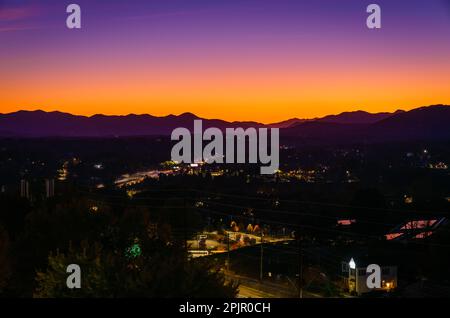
(264, 60)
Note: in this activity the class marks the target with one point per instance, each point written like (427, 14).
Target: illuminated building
(408, 199)
(356, 276)
(416, 229)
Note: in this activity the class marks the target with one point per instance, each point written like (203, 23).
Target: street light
(352, 264)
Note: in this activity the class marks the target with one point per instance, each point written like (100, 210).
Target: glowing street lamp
(352, 264)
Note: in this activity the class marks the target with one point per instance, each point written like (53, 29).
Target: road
(248, 292)
(253, 288)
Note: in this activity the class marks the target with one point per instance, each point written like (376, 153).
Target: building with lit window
(355, 276)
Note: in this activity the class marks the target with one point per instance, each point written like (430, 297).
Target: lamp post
(352, 265)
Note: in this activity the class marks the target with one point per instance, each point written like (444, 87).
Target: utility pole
(261, 257)
(300, 268)
(228, 254)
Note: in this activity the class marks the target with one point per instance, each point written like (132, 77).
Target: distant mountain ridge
(57, 124)
(354, 117)
(289, 123)
(357, 117)
(424, 123)
(428, 122)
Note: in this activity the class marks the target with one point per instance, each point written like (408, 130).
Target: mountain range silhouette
(424, 123)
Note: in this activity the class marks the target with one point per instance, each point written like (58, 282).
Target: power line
(320, 203)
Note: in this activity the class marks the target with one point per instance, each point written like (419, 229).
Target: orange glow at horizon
(251, 87)
(228, 60)
(259, 95)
